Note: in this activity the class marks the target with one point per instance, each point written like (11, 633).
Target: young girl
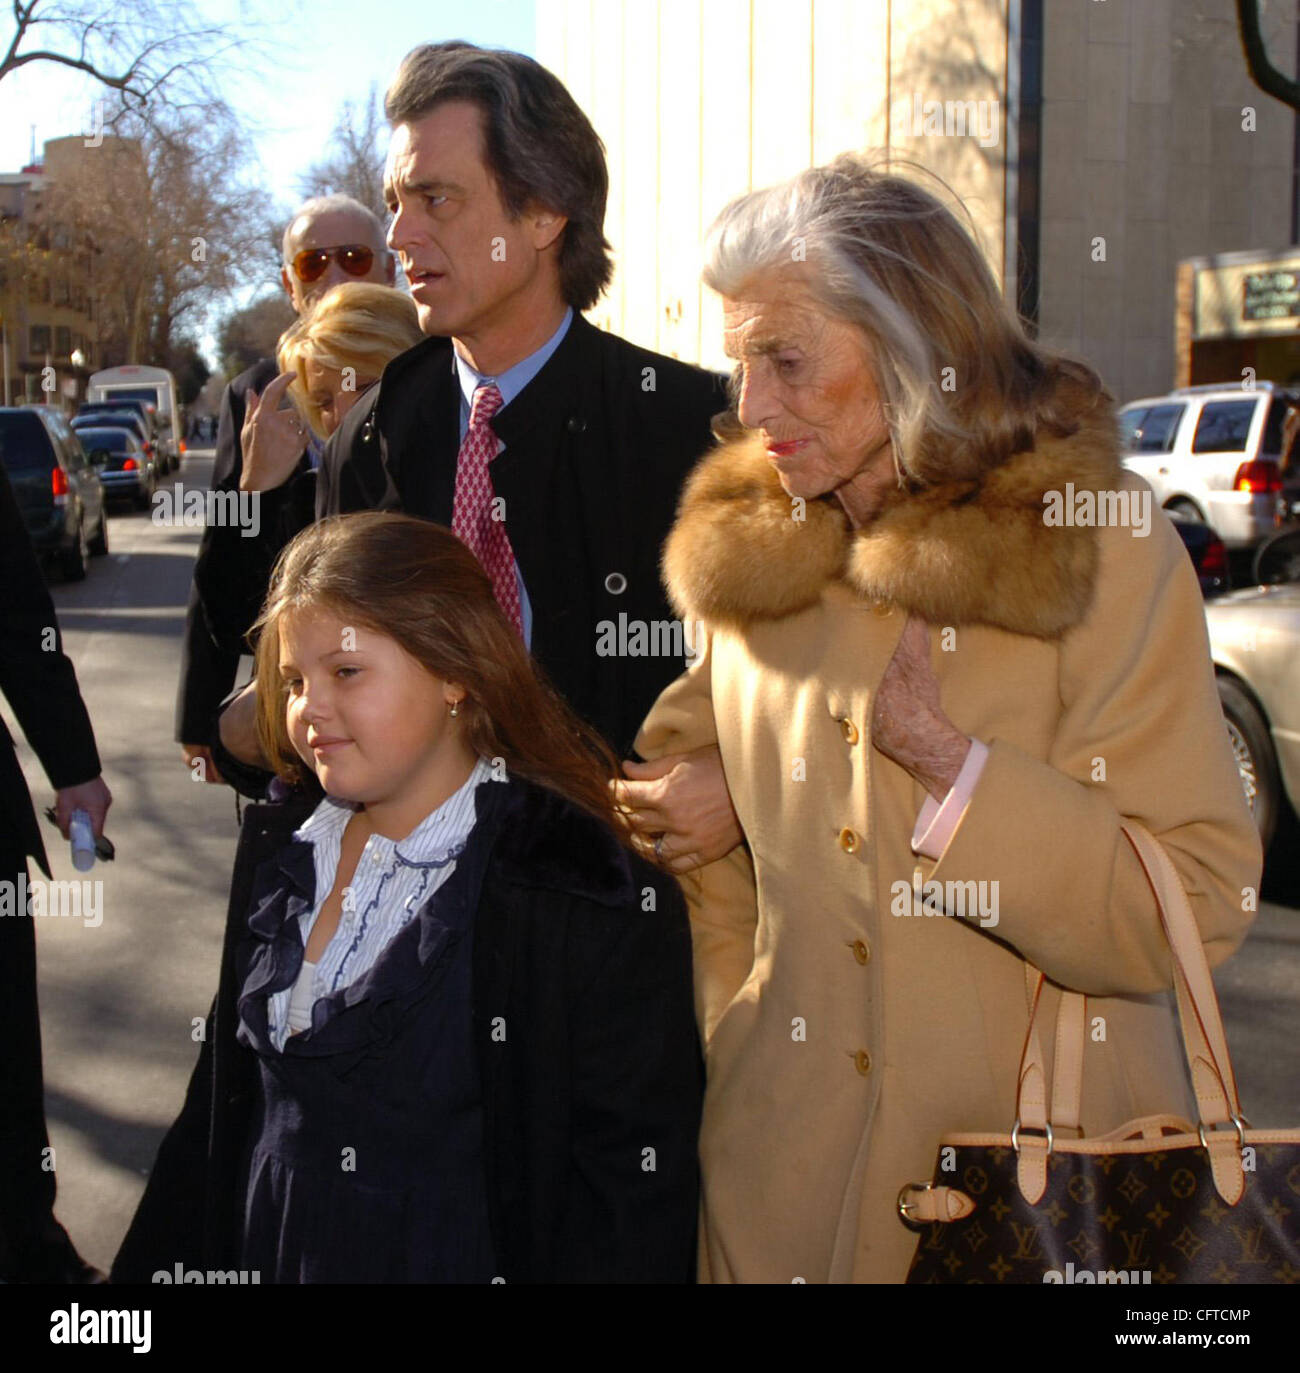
(454, 1038)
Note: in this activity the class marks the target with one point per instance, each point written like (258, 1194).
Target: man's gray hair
(538, 145)
(325, 204)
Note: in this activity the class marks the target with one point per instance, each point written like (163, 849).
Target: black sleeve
(638, 1083)
(231, 572)
(36, 676)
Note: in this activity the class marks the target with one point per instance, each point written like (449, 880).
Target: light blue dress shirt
(392, 881)
(510, 383)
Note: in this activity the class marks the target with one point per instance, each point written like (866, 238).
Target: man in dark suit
(230, 571)
(40, 684)
(497, 185)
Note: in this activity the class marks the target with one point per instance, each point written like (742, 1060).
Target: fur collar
(956, 553)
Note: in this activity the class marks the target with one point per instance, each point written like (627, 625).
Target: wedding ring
(659, 847)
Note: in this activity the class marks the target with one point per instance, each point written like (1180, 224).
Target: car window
(72, 452)
(1272, 440)
(1130, 421)
(115, 440)
(1224, 426)
(1158, 430)
(24, 444)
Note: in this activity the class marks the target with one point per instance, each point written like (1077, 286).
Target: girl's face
(370, 720)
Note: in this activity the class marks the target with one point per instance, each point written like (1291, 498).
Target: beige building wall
(1144, 147)
(700, 100)
(1142, 143)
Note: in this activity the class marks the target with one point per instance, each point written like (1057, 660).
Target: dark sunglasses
(355, 259)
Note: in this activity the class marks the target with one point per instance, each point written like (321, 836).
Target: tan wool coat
(845, 1033)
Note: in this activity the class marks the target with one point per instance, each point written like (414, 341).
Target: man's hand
(237, 726)
(272, 439)
(208, 772)
(908, 723)
(679, 809)
(93, 797)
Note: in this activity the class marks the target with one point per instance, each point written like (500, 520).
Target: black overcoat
(588, 1055)
(40, 684)
(597, 447)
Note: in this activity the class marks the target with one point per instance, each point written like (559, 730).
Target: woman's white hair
(887, 255)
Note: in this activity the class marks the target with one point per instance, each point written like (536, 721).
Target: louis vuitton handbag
(1158, 1200)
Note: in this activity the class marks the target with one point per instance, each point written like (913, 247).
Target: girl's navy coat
(599, 1063)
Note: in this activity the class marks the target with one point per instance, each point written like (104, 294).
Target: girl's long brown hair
(418, 584)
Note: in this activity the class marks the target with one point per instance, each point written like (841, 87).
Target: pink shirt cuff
(937, 821)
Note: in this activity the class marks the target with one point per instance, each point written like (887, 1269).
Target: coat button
(575, 424)
(861, 951)
(849, 841)
(849, 730)
(862, 1062)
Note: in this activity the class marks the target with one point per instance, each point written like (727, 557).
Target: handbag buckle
(1015, 1135)
(1238, 1121)
(905, 1206)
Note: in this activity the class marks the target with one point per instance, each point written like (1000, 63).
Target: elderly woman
(917, 673)
(337, 352)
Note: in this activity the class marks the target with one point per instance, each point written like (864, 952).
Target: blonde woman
(338, 351)
(917, 675)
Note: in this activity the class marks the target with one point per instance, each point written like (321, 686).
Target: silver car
(1255, 644)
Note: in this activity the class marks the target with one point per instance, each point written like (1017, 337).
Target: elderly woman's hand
(680, 809)
(272, 439)
(908, 723)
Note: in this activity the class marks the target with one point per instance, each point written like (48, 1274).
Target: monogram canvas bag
(1159, 1200)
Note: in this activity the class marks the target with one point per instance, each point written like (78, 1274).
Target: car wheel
(73, 561)
(144, 496)
(1252, 749)
(1183, 510)
(99, 544)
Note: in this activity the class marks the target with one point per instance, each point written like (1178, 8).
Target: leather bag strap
(1204, 1042)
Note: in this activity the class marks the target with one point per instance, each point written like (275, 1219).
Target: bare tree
(174, 225)
(138, 48)
(252, 333)
(354, 163)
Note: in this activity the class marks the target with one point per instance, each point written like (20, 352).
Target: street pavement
(118, 1001)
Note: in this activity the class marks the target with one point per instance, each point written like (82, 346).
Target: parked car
(1211, 453)
(124, 468)
(58, 490)
(110, 412)
(115, 419)
(1208, 554)
(151, 384)
(1255, 644)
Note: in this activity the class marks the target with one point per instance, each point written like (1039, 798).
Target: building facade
(1094, 143)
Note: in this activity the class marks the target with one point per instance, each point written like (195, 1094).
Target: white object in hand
(83, 841)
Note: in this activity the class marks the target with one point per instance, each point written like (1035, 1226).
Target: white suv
(1211, 453)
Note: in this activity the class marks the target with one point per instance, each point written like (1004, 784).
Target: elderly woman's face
(807, 386)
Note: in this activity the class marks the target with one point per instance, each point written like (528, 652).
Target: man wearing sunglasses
(330, 239)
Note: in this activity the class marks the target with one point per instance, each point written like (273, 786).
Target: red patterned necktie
(471, 518)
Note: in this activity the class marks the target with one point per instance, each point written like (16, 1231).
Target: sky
(301, 62)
